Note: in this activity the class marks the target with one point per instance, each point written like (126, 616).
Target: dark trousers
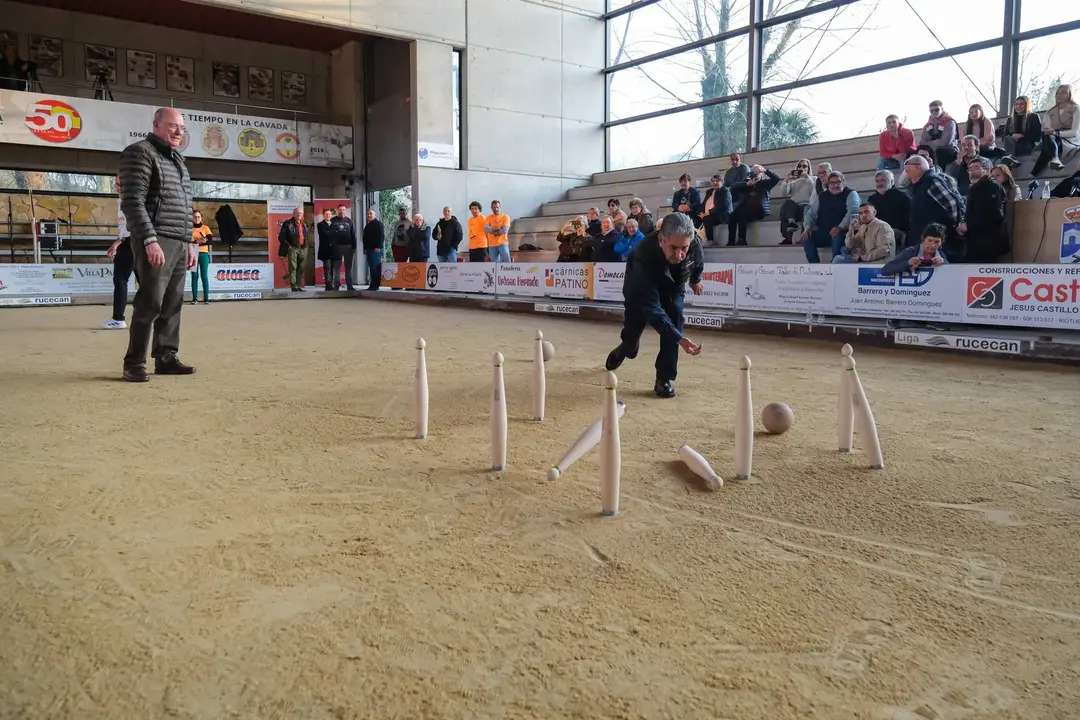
(822, 239)
(157, 303)
(710, 222)
(791, 214)
(943, 156)
(123, 267)
(374, 263)
(478, 255)
(634, 323)
(339, 256)
(736, 229)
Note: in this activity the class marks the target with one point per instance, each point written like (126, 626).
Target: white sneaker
(114, 325)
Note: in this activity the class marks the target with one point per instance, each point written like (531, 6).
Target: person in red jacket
(895, 145)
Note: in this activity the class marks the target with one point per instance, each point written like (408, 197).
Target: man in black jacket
(322, 230)
(984, 217)
(656, 276)
(602, 247)
(155, 196)
(893, 206)
(373, 238)
(293, 243)
(418, 239)
(448, 234)
(342, 248)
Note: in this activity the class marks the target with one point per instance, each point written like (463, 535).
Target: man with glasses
(827, 218)
(155, 196)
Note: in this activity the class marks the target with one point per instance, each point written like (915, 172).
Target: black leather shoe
(615, 359)
(136, 374)
(172, 366)
(664, 389)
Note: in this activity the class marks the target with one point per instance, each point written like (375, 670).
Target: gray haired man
(656, 275)
(155, 196)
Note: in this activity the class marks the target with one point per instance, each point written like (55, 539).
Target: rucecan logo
(54, 121)
(238, 275)
(985, 293)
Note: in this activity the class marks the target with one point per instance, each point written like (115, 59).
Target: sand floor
(264, 540)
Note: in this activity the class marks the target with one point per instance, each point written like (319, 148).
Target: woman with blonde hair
(1021, 131)
(1062, 125)
(573, 240)
(1002, 175)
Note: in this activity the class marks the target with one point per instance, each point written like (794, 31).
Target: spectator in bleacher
(448, 235)
(123, 266)
(573, 240)
(1002, 175)
(868, 239)
(940, 133)
(1068, 188)
(982, 128)
(322, 232)
(617, 215)
(1062, 124)
(925, 253)
(594, 222)
(934, 201)
(821, 181)
(631, 236)
(497, 226)
(827, 218)
(373, 249)
(603, 247)
(891, 205)
(895, 144)
(738, 172)
(1021, 132)
(798, 188)
(716, 210)
(201, 236)
(750, 202)
(478, 243)
(958, 169)
(419, 237)
(983, 229)
(15, 73)
(927, 153)
(641, 214)
(399, 246)
(687, 200)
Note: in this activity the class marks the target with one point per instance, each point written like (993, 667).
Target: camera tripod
(102, 91)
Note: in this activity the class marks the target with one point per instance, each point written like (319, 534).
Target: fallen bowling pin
(610, 450)
(498, 414)
(421, 390)
(700, 466)
(744, 423)
(845, 409)
(864, 416)
(539, 379)
(586, 442)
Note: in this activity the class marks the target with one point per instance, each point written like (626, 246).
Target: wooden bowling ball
(777, 418)
(549, 351)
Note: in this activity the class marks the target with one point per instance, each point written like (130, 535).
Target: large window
(819, 73)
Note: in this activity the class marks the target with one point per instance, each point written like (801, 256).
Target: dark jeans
(943, 156)
(374, 263)
(710, 222)
(339, 256)
(157, 303)
(634, 323)
(822, 239)
(123, 267)
(478, 255)
(736, 229)
(791, 214)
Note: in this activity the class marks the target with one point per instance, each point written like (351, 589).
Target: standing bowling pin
(421, 390)
(610, 449)
(498, 414)
(744, 423)
(865, 417)
(701, 467)
(845, 408)
(539, 379)
(586, 442)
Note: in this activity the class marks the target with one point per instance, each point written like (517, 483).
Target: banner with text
(1045, 296)
(785, 288)
(925, 294)
(26, 279)
(608, 277)
(476, 278)
(556, 280)
(237, 277)
(719, 292)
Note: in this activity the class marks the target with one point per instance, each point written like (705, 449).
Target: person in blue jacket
(630, 238)
(926, 254)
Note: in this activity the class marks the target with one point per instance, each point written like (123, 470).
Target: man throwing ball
(656, 276)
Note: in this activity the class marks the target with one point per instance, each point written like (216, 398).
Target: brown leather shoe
(136, 374)
(171, 365)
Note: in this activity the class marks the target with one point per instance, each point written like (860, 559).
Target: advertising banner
(926, 294)
(405, 276)
(957, 342)
(608, 281)
(1070, 236)
(475, 278)
(332, 206)
(1027, 295)
(436, 155)
(719, 282)
(785, 288)
(83, 124)
(518, 279)
(237, 277)
(57, 279)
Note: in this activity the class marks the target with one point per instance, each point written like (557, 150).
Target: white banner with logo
(719, 291)
(608, 281)
(475, 278)
(57, 279)
(436, 155)
(237, 277)
(1045, 296)
(58, 121)
(926, 294)
(784, 288)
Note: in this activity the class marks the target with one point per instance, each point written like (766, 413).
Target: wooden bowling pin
(539, 379)
(586, 442)
(421, 390)
(864, 416)
(744, 423)
(498, 414)
(845, 409)
(700, 466)
(610, 449)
